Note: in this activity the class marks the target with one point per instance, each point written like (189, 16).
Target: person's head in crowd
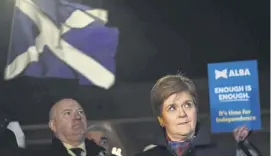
(174, 102)
(68, 121)
(99, 135)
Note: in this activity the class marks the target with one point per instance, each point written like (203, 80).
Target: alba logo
(231, 73)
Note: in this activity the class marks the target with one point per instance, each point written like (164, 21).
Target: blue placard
(234, 95)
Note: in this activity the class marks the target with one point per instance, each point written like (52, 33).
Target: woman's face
(179, 116)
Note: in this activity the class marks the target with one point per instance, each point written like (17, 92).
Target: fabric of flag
(62, 39)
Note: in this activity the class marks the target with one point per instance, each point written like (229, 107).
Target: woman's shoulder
(155, 150)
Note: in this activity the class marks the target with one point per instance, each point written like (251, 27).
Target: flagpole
(10, 36)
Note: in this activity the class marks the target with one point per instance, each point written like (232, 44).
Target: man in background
(100, 135)
(69, 125)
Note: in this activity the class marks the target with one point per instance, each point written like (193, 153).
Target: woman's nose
(182, 112)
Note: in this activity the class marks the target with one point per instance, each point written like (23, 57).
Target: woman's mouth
(182, 123)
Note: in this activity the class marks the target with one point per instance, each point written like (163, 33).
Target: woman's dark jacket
(197, 147)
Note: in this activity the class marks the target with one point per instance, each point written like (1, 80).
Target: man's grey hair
(96, 127)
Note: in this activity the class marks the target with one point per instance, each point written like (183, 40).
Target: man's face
(69, 121)
(99, 138)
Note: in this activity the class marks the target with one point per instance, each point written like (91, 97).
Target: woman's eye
(188, 105)
(172, 108)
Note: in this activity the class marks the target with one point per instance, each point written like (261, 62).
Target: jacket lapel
(93, 149)
(58, 149)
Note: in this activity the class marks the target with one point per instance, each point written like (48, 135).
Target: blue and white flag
(62, 39)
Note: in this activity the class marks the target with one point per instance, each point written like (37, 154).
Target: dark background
(157, 37)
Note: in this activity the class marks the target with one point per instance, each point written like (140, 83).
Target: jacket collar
(192, 142)
(58, 148)
(194, 139)
(92, 149)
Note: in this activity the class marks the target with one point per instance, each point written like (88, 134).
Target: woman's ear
(160, 120)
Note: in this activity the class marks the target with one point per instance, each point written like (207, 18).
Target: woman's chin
(186, 133)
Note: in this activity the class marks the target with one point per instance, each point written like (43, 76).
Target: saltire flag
(62, 39)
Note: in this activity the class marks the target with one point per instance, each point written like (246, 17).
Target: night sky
(157, 37)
